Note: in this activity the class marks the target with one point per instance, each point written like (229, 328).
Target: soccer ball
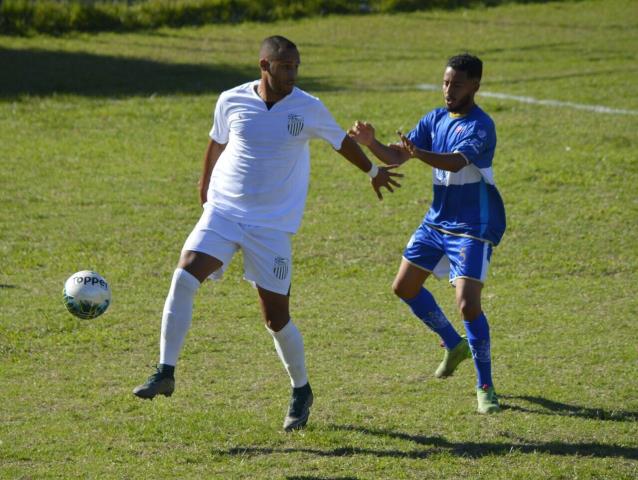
(86, 294)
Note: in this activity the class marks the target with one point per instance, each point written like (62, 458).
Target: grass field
(101, 142)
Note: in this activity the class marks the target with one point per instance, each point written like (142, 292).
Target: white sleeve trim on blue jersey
(468, 174)
(486, 173)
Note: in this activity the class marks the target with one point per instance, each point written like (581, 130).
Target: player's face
(282, 72)
(458, 90)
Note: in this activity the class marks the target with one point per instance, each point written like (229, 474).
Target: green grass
(24, 17)
(101, 141)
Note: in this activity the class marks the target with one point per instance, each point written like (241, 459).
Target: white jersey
(261, 178)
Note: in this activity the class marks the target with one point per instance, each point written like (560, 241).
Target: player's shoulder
(303, 98)
(481, 117)
(435, 115)
(243, 90)
(480, 123)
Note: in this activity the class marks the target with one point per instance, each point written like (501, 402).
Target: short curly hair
(467, 63)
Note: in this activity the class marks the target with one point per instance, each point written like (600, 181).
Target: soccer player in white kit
(253, 190)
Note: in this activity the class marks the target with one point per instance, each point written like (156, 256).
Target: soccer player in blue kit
(466, 219)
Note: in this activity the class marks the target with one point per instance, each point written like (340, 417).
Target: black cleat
(157, 384)
(299, 409)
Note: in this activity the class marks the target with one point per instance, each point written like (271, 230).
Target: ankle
(166, 370)
(305, 388)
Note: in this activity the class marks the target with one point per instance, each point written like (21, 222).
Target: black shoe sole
(296, 426)
(151, 397)
(299, 424)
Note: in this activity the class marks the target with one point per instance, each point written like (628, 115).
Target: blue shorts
(441, 253)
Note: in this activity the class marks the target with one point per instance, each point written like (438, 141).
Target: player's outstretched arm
(452, 162)
(380, 176)
(213, 151)
(364, 134)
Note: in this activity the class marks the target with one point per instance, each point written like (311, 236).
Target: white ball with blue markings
(86, 294)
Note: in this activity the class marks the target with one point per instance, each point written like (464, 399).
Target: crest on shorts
(295, 124)
(462, 255)
(280, 268)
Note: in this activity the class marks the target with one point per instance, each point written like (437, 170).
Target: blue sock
(478, 336)
(424, 306)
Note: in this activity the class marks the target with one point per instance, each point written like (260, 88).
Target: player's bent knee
(469, 309)
(275, 309)
(198, 264)
(276, 323)
(404, 290)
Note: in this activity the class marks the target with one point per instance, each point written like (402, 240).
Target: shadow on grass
(564, 409)
(437, 445)
(304, 477)
(46, 72)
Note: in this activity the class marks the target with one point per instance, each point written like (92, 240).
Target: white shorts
(267, 252)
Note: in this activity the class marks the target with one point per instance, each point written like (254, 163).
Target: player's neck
(461, 112)
(267, 94)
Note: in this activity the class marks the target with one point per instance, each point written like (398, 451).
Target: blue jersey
(466, 202)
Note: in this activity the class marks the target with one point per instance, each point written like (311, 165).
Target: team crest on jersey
(280, 268)
(295, 124)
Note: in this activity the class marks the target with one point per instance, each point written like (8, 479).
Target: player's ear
(264, 65)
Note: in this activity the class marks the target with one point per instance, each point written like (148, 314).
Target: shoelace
(156, 376)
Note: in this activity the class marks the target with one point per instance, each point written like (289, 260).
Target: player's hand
(407, 145)
(385, 178)
(398, 147)
(362, 133)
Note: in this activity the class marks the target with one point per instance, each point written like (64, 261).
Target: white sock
(177, 316)
(289, 346)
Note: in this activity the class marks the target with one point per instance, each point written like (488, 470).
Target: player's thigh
(425, 251)
(268, 259)
(199, 264)
(469, 263)
(210, 246)
(468, 297)
(408, 280)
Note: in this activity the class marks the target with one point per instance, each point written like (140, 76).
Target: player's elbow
(457, 162)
